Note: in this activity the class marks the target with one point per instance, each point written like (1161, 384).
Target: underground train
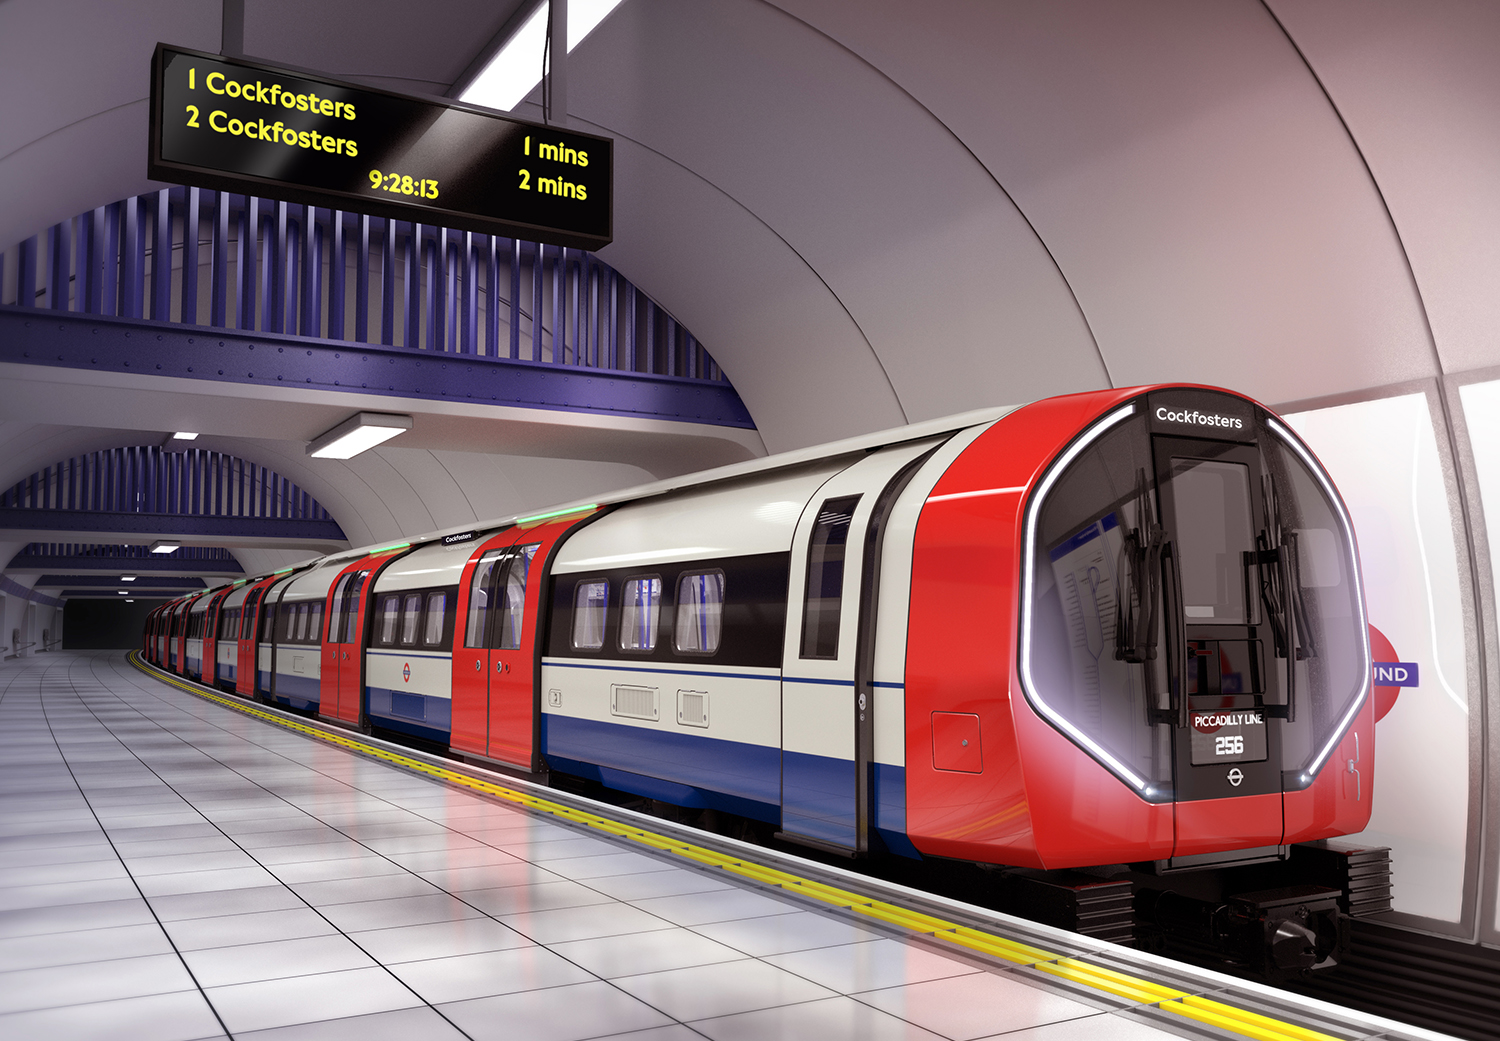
(1114, 641)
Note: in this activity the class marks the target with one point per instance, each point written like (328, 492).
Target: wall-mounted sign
(241, 126)
(1395, 673)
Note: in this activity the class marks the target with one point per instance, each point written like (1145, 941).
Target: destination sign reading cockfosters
(241, 126)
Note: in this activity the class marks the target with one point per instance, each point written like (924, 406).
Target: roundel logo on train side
(406, 672)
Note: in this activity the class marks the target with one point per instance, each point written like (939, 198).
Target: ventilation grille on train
(692, 708)
(634, 702)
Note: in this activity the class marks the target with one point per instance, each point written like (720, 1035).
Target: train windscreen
(1172, 576)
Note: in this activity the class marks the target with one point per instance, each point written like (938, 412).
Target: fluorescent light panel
(165, 546)
(183, 435)
(517, 69)
(127, 578)
(359, 433)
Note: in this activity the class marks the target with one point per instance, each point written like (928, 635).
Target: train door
(247, 681)
(265, 648)
(227, 644)
(179, 636)
(502, 634)
(209, 665)
(827, 701)
(1221, 651)
(340, 694)
(473, 640)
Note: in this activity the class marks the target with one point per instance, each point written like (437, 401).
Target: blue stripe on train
(697, 771)
(415, 714)
(705, 771)
(298, 691)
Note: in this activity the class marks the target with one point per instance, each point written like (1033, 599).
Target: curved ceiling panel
(78, 139)
(1182, 164)
(951, 289)
(1419, 86)
(779, 334)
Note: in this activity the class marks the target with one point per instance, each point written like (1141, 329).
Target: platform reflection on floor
(172, 870)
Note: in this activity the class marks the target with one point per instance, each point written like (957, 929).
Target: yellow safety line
(1096, 977)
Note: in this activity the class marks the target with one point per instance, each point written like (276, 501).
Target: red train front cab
(1150, 600)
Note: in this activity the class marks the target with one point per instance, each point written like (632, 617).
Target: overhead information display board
(241, 126)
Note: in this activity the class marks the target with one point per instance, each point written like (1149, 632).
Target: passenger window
(336, 612)
(437, 611)
(513, 602)
(700, 612)
(302, 614)
(479, 597)
(589, 603)
(389, 613)
(268, 625)
(823, 604)
(315, 622)
(247, 619)
(640, 610)
(351, 606)
(411, 611)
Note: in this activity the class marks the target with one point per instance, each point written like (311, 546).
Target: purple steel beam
(388, 282)
(413, 285)
(70, 340)
(161, 257)
(337, 274)
(192, 212)
(26, 275)
(245, 261)
(132, 261)
(515, 299)
(59, 241)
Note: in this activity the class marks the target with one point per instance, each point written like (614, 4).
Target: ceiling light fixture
(515, 69)
(183, 435)
(127, 578)
(359, 433)
(165, 546)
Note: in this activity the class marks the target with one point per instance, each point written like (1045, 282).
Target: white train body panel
(410, 686)
(299, 660)
(197, 615)
(748, 516)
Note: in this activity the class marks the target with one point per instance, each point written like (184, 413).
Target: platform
(173, 869)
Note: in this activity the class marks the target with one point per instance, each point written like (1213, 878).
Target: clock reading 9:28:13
(400, 184)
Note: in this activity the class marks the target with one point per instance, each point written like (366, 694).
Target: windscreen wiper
(1140, 561)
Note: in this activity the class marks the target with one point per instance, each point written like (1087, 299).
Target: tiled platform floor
(173, 870)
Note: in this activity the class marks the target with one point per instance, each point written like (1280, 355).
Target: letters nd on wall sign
(241, 126)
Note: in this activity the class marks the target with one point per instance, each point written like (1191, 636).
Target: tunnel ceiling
(883, 212)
